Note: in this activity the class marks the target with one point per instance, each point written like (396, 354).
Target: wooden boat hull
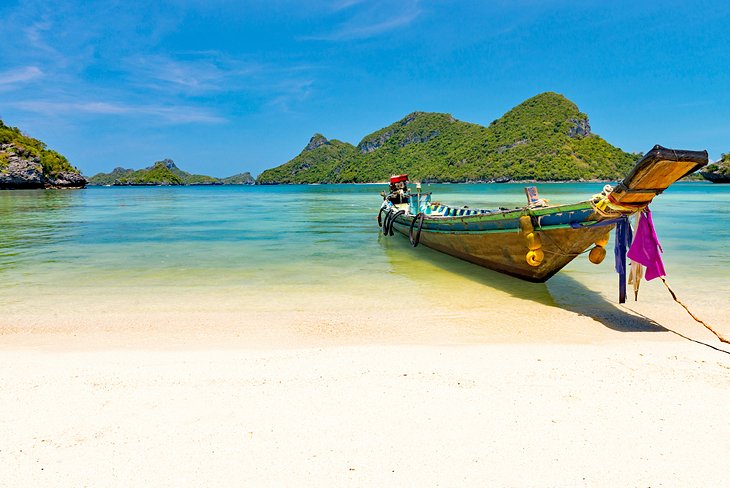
(506, 250)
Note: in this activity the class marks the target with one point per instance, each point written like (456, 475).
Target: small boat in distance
(536, 241)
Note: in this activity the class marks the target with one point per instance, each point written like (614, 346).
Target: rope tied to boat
(605, 205)
(697, 319)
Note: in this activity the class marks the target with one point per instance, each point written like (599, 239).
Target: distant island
(27, 163)
(718, 172)
(164, 173)
(544, 138)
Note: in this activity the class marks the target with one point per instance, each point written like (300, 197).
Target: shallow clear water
(303, 237)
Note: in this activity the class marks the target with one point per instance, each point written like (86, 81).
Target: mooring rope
(674, 296)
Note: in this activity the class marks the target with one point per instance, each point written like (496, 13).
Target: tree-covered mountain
(239, 179)
(321, 161)
(718, 172)
(544, 138)
(26, 162)
(163, 172)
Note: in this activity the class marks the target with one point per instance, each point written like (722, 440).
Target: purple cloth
(646, 249)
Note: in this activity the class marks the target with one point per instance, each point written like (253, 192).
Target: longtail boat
(535, 241)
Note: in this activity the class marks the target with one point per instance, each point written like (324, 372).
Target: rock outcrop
(718, 172)
(20, 168)
(317, 140)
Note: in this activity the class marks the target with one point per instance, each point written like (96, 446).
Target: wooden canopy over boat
(536, 241)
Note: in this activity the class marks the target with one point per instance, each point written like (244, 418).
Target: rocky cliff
(718, 172)
(26, 163)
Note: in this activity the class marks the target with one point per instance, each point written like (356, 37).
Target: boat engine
(398, 189)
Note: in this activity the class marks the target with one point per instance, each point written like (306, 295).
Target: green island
(718, 172)
(26, 162)
(164, 173)
(545, 138)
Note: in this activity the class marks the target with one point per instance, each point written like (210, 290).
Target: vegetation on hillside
(163, 172)
(239, 179)
(543, 138)
(53, 163)
(321, 161)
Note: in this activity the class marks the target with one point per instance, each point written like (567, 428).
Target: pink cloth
(646, 249)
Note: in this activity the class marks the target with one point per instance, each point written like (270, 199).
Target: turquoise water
(314, 237)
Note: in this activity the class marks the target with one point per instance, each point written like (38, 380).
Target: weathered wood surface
(655, 172)
(506, 251)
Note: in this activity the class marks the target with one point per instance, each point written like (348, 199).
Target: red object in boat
(398, 178)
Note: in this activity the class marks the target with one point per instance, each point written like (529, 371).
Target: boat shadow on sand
(562, 291)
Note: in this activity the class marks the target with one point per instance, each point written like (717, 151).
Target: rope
(674, 296)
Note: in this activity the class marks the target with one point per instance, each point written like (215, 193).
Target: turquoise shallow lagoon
(280, 244)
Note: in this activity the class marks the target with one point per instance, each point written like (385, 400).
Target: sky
(224, 87)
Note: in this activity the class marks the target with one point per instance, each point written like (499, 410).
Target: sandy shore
(328, 390)
(615, 414)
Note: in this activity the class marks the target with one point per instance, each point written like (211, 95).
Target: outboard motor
(398, 189)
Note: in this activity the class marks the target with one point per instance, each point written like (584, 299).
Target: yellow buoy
(534, 258)
(602, 241)
(597, 255)
(526, 224)
(533, 241)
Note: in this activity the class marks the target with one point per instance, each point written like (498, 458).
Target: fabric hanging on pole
(646, 249)
(636, 271)
(624, 238)
(623, 241)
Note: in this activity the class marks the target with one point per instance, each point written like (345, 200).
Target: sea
(139, 247)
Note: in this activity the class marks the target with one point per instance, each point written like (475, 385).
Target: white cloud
(370, 19)
(190, 73)
(19, 75)
(173, 113)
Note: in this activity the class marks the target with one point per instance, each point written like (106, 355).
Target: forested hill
(544, 138)
(165, 173)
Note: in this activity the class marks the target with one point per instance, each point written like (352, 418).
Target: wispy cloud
(291, 92)
(19, 75)
(172, 114)
(370, 19)
(189, 73)
(344, 4)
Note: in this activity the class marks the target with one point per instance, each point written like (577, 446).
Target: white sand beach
(440, 397)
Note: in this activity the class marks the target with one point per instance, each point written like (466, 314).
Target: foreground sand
(330, 390)
(616, 414)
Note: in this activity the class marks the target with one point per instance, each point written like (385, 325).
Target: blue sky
(229, 86)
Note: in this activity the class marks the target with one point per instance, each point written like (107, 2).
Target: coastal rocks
(718, 172)
(20, 169)
(65, 179)
(17, 172)
(715, 177)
